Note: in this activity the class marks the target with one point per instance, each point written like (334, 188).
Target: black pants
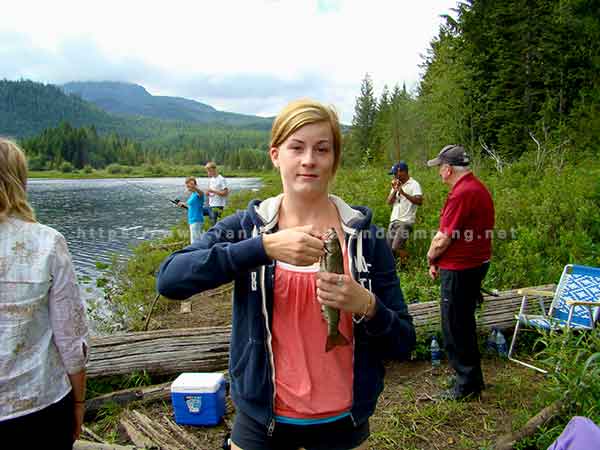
(248, 434)
(49, 428)
(461, 293)
(214, 212)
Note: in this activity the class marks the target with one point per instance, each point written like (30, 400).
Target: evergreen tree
(365, 111)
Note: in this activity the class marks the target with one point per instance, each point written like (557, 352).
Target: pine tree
(365, 111)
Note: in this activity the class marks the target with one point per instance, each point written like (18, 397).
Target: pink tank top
(310, 383)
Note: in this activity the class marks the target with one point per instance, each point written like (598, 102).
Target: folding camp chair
(575, 305)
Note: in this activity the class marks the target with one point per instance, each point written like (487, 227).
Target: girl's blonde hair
(305, 112)
(13, 183)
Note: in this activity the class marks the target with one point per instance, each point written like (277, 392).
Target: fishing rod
(175, 201)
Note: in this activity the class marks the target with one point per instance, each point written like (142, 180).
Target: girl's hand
(79, 410)
(344, 293)
(300, 246)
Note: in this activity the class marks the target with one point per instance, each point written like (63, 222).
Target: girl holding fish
(308, 340)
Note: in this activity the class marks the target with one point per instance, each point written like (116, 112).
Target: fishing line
(149, 191)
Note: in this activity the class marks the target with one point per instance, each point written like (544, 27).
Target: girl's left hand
(344, 293)
(79, 412)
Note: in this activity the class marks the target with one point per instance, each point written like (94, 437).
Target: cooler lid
(197, 382)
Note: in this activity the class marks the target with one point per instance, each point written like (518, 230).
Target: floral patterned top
(43, 329)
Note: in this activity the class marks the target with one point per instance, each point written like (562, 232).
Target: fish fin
(335, 340)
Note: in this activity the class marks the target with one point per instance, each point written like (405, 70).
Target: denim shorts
(248, 434)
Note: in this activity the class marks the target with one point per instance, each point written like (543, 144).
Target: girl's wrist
(369, 310)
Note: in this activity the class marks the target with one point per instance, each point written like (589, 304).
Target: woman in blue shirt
(195, 208)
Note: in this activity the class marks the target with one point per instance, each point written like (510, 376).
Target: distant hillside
(133, 100)
(28, 108)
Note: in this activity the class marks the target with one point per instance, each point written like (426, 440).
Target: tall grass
(574, 379)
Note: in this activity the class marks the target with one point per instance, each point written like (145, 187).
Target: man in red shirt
(460, 253)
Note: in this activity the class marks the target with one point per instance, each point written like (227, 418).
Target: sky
(245, 56)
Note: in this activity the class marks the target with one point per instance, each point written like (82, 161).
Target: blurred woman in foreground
(43, 329)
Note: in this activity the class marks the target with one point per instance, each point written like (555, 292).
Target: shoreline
(102, 175)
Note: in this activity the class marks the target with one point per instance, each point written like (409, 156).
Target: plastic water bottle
(490, 344)
(501, 344)
(436, 354)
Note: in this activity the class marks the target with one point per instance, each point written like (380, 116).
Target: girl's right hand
(300, 246)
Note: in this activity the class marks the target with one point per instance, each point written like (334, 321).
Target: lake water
(100, 218)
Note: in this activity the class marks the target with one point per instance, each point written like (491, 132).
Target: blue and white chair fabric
(575, 305)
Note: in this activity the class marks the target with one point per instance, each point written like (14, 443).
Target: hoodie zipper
(271, 427)
(269, 345)
(349, 252)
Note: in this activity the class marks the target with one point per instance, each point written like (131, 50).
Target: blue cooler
(198, 398)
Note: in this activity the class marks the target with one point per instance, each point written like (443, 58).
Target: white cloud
(274, 50)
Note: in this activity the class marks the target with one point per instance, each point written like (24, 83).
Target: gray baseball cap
(455, 155)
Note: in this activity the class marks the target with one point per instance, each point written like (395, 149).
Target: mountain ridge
(130, 99)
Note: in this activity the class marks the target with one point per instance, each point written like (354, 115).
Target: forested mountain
(134, 100)
(63, 127)
(27, 108)
(503, 78)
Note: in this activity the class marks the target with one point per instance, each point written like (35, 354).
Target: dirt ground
(407, 415)
(211, 308)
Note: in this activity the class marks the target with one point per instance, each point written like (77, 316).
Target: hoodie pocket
(250, 374)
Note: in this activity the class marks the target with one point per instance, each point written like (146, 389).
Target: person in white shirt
(405, 196)
(217, 192)
(43, 328)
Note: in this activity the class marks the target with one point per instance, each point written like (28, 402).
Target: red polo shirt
(468, 218)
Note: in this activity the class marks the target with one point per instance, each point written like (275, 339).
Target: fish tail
(335, 340)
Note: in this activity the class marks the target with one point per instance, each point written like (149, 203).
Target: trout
(332, 262)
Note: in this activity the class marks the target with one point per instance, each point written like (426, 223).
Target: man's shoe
(453, 394)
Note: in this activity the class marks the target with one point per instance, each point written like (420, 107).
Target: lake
(103, 217)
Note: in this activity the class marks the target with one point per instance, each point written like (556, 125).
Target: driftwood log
(160, 352)
(207, 349)
(144, 395)
(507, 441)
(162, 433)
(88, 445)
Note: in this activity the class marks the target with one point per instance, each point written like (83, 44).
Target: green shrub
(36, 163)
(66, 167)
(159, 170)
(114, 169)
(88, 169)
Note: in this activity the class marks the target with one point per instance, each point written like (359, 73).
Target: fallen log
(88, 445)
(507, 441)
(206, 349)
(162, 433)
(86, 431)
(160, 352)
(126, 396)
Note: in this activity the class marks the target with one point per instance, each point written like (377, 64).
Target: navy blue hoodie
(233, 251)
